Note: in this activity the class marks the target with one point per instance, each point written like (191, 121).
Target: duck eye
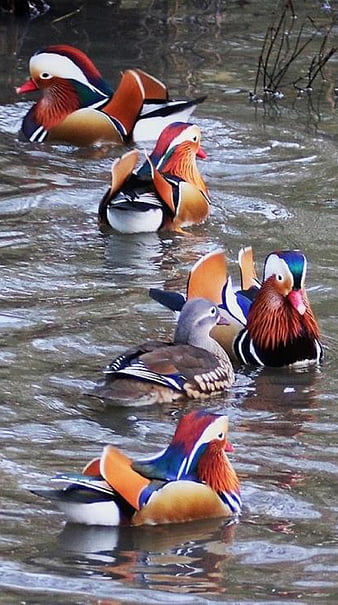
(195, 138)
(45, 75)
(220, 436)
(213, 311)
(279, 277)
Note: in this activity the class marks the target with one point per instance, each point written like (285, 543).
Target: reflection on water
(72, 298)
(163, 558)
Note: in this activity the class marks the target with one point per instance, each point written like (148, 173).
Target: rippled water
(71, 299)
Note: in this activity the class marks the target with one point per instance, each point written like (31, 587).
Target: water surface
(71, 299)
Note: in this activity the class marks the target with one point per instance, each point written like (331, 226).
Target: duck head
(53, 66)
(197, 452)
(171, 137)
(286, 271)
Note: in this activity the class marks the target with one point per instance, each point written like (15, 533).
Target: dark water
(71, 299)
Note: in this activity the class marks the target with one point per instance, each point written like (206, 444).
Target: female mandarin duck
(193, 365)
(192, 479)
(271, 324)
(79, 107)
(167, 192)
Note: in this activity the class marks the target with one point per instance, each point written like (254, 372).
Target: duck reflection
(279, 407)
(140, 253)
(149, 252)
(161, 557)
(289, 393)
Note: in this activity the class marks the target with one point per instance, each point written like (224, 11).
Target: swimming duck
(79, 107)
(191, 479)
(166, 193)
(193, 365)
(269, 324)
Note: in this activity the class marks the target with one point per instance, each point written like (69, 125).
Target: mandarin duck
(193, 365)
(269, 324)
(166, 193)
(79, 107)
(191, 479)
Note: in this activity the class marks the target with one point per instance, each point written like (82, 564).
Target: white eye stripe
(277, 266)
(56, 66)
(189, 134)
(212, 431)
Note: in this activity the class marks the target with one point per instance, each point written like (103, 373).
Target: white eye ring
(279, 277)
(213, 311)
(195, 138)
(45, 75)
(220, 436)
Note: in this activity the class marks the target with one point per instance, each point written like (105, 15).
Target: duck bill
(201, 154)
(229, 447)
(296, 299)
(222, 321)
(28, 86)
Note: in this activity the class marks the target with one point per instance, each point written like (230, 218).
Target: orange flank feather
(208, 276)
(116, 469)
(120, 172)
(122, 168)
(92, 468)
(126, 103)
(215, 469)
(153, 88)
(163, 188)
(248, 271)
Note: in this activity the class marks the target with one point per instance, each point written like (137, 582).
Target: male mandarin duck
(79, 107)
(167, 192)
(193, 365)
(191, 479)
(269, 324)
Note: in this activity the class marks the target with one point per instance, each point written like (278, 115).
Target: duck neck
(215, 469)
(198, 339)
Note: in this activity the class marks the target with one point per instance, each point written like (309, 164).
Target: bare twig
(281, 48)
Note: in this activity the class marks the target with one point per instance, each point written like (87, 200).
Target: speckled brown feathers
(202, 374)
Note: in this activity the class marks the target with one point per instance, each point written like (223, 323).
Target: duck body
(192, 366)
(191, 479)
(142, 212)
(135, 207)
(167, 192)
(78, 106)
(268, 324)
